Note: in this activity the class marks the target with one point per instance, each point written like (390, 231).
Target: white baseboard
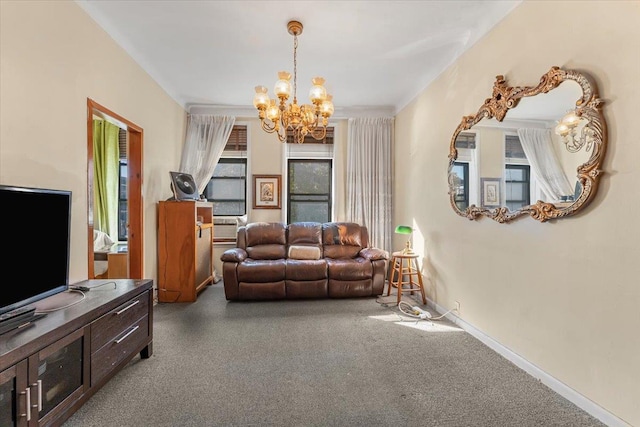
(559, 387)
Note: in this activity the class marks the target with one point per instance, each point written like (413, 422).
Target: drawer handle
(128, 307)
(39, 385)
(128, 333)
(27, 393)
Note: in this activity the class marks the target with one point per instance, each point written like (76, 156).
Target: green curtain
(106, 155)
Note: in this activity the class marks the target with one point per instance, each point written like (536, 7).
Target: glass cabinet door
(13, 396)
(56, 375)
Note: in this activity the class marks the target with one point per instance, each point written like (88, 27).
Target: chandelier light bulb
(273, 113)
(571, 119)
(261, 99)
(326, 108)
(318, 93)
(562, 129)
(283, 85)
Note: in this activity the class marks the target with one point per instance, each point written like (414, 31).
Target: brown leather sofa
(303, 260)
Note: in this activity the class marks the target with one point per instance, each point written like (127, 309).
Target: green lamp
(405, 229)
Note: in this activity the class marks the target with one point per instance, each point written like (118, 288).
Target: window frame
(123, 197)
(466, 168)
(519, 162)
(329, 195)
(236, 147)
(527, 182)
(231, 160)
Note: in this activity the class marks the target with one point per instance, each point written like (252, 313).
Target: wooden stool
(405, 264)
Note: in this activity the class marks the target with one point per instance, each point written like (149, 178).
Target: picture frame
(490, 192)
(267, 191)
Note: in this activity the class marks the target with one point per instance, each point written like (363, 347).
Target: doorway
(127, 263)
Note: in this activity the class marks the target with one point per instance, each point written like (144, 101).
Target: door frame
(135, 226)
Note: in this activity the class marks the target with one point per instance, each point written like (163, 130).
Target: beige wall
(564, 295)
(491, 146)
(54, 57)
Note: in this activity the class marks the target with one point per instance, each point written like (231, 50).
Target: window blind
(311, 148)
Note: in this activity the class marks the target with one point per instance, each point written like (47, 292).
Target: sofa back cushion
(265, 240)
(305, 234)
(342, 239)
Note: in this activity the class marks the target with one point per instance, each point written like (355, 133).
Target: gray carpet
(352, 362)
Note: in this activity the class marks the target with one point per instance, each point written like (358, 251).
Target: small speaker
(183, 186)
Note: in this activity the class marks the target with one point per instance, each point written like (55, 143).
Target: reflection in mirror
(541, 159)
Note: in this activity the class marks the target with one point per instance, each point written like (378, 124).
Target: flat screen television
(35, 226)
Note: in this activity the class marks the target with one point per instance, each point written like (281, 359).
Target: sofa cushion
(305, 233)
(251, 270)
(304, 252)
(306, 270)
(349, 269)
(341, 239)
(261, 291)
(234, 255)
(306, 288)
(265, 240)
(350, 288)
(266, 252)
(341, 233)
(265, 233)
(341, 251)
(374, 254)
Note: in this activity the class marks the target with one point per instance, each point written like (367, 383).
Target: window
(122, 201)
(464, 169)
(517, 186)
(513, 148)
(517, 174)
(460, 176)
(466, 140)
(309, 183)
(308, 139)
(227, 188)
(309, 190)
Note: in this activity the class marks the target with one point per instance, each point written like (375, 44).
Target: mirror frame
(503, 99)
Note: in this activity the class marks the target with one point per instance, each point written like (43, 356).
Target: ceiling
(373, 54)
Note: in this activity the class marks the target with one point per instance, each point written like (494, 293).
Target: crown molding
(250, 111)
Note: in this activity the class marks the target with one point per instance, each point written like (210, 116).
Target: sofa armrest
(373, 254)
(234, 255)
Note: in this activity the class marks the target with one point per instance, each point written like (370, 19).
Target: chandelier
(567, 129)
(301, 120)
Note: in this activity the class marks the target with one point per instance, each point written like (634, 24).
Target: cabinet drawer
(118, 349)
(112, 324)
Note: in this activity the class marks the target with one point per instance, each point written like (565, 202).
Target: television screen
(35, 229)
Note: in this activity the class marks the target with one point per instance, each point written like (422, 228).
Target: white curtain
(204, 143)
(370, 177)
(537, 145)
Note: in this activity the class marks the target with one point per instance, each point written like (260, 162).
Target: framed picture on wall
(490, 192)
(266, 191)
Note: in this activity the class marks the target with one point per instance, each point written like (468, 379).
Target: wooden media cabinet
(52, 366)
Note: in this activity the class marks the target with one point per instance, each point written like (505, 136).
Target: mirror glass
(527, 151)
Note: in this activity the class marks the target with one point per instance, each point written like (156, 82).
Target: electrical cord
(418, 313)
(64, 306)
(88, 288)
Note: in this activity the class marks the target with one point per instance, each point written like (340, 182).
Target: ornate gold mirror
(530, 150)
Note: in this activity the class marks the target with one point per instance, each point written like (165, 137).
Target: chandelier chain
(295, 68)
